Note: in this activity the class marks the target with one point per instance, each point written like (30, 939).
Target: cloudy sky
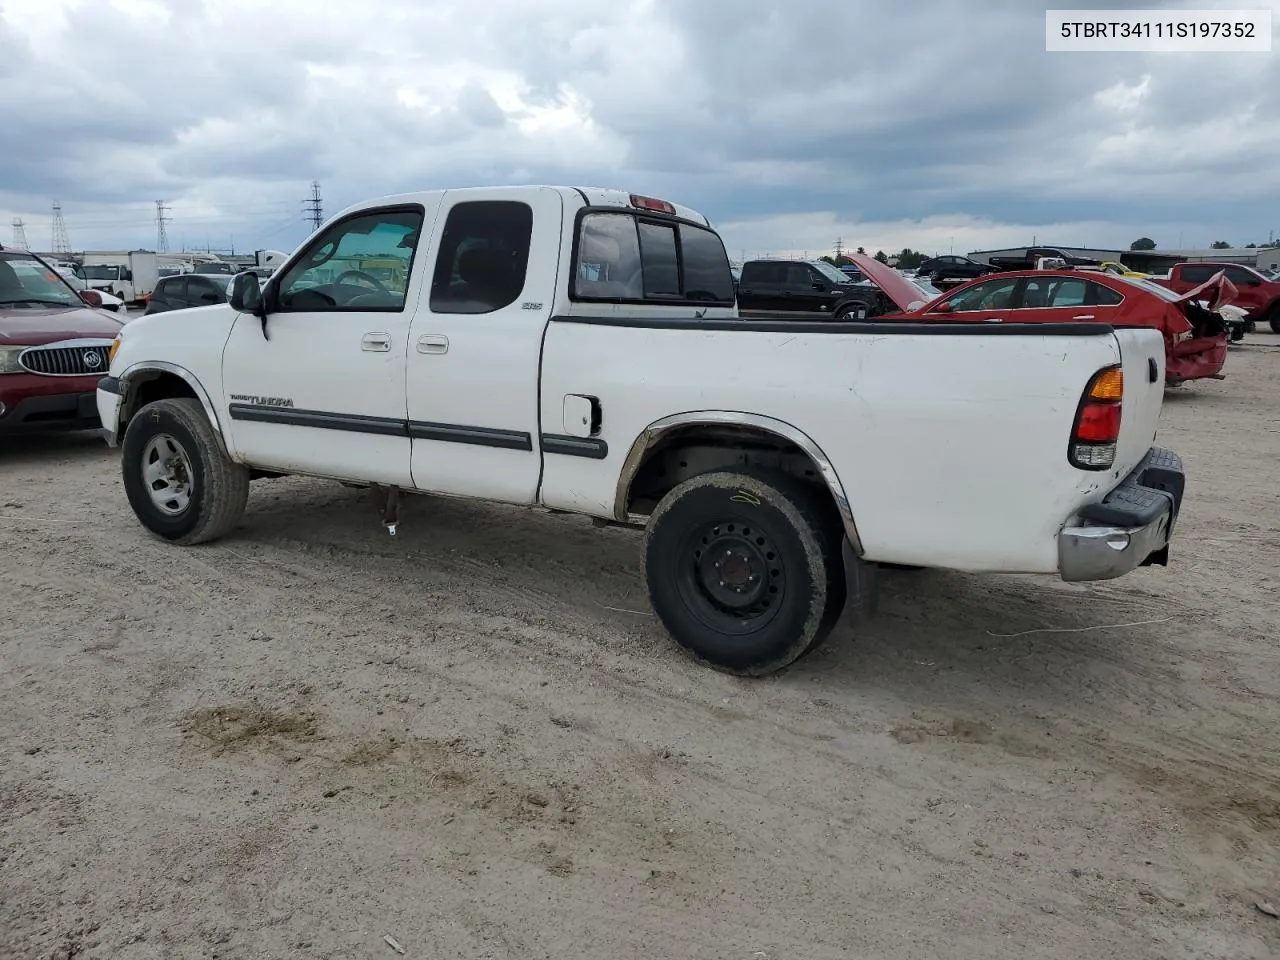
(937, 124)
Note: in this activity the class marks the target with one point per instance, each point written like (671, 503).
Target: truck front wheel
(177, 479)
(1273, 318)
(744, 570)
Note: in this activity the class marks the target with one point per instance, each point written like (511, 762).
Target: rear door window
(1239, 275)
(988, 295)
(175, 292)
(1196, 274)
(483, 258)
(202, 292)
(763, 273)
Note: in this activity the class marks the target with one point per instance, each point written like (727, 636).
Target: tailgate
(1143, 394)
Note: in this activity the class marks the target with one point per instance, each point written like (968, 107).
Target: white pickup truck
(580, 350)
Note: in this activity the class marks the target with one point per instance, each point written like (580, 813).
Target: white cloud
(905, 125)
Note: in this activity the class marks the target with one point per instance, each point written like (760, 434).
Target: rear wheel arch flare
(719, 428)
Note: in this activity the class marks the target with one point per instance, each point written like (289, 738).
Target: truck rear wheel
(1273, 319)
(744, 570)
(179, 483)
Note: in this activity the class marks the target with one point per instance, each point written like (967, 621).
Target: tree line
(1146, 243)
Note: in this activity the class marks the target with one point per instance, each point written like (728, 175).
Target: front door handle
(433, 343)
(376, 342)
(1084, 316)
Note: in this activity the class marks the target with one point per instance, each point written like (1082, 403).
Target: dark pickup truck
(1258, 296)
(805, 288)
(1028, 260)
(950, 268)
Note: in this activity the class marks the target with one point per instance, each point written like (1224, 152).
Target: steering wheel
(361, 275)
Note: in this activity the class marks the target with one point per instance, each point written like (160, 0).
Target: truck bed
(950, 440)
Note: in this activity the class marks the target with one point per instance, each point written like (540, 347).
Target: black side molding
(290, 416)
(591, 447)
(479, 436)
(780, 324)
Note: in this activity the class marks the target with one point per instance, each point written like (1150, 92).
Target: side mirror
(944, 307)
(92, 297)
(246, 294)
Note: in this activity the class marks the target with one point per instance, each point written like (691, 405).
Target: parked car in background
(942, 269)
(1256, 294)
(1195, 335)
(1028, 260)
(801, 288)
(54, 347)
(114, 304)
(187, 290)
(852, 272)
(216, 268)
(1120, 270)
(130, 275)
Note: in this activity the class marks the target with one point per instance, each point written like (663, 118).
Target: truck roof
(594, 196)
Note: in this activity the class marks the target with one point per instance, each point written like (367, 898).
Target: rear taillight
(1097, 424)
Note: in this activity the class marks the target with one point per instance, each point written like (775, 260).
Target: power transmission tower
(839, 249)
(315, 210)
(162, 235)
(19, 234)
(61, 242)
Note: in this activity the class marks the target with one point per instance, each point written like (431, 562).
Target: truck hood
(1215, 292)
(906, 296)
(33, 326)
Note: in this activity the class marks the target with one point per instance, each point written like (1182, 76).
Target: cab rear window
(624, 258)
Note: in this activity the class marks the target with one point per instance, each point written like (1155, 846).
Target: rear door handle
(376, 342)
(1084, 316)
(433, 343)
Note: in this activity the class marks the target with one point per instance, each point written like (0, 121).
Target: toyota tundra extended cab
(580, 350)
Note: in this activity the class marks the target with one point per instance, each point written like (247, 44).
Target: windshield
(927, 288)
(100, 272)
(24, 279)
(828, 271)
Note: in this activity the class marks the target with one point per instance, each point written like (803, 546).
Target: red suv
(54, 347)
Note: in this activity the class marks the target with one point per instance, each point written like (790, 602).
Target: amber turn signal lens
(1108, 385)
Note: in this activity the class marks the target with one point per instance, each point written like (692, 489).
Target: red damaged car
(1195, 333)
(53, 348)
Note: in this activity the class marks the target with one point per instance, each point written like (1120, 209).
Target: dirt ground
(473, 738)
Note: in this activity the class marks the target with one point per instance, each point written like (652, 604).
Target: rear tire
(744, 570)
(181, 486)
(1273, 319)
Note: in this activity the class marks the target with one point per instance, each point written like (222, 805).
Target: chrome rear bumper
(1131, 527)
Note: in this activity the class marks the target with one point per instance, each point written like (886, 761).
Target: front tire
(179, 483)
(1273, 319)
(744, 570)
(853, 312)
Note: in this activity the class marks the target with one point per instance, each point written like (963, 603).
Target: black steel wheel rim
(731, 575)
